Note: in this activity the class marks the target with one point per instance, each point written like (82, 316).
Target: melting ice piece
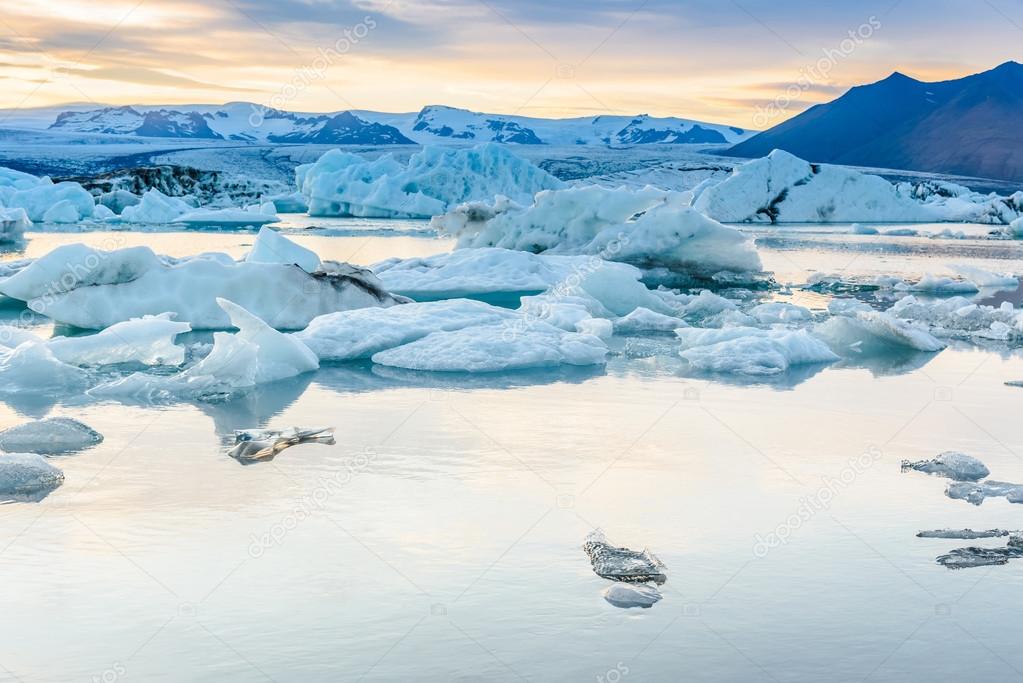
(867, 332)
(148, 340)
(27, 474)
(977, 493)
(963, 534)
(496, 348)
(264, 444)
(273, 247)
(32, 367)
(750, 350)
(952, 465)
(622, 564)
(644, 320)
(963, 558)
(50, 436)
(626, 595)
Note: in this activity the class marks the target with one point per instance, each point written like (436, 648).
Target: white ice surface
(272, 247)
(750, 350)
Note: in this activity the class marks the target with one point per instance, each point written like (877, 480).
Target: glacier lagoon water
(440, 539)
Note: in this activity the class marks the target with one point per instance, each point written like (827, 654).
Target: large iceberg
(92, 289)
(649, 228)
(782, 188)
(434, 180)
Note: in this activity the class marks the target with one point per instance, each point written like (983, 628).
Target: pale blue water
(440, 538)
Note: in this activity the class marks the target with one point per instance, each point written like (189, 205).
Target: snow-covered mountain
(242, 121)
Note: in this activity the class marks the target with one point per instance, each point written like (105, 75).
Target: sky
(748, 63)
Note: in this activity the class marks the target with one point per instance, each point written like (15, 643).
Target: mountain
(434, 124)
(968, 126)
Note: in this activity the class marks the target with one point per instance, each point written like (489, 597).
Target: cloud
(144, 76)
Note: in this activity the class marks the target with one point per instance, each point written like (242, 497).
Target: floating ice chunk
(214, 217)
(77, 265)
(13, 224)
(51, 436)
(626, 595)
(38, 200)
(780, 313)
(781, 188)
(496, 348)
(750, 350)
(348, 335)
(985, 278)
(273, 247)
(256, 354)
(963, 534)
(936, 284)
(645, 320)
(649, 228)
(148, 340)
(155, 207)
(622, 564)
(869, 331)
(12, 337)
(902, 232)
(435, 179)
(27, 474)
(102, 213)
(848, 307)
(293, 202)
(118, 200)
(951, 464)
(860, 229)
(965, 558)
(704, 305)
(63, 211)
(261, 445)
(960, 318)
(285, 296)
(1016, 228)
(32, 367)
(976, 493)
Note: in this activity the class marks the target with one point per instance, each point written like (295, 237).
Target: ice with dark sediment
(622, 564)
(254, 445)
(49, 437)
(965, 558)
(952, 465)
(963, 534)
(977, 493)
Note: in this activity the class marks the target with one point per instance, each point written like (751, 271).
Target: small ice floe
(626, 595)
(977, 493)
(965, 558)
(622, 564)
(860, 229)
(645, 320)
(864, 332)
(147, 341)
(986, 278)
(780, 313)
(27, 475)
(272, 247)
(960, 318)
(750, 350)
(224, 217)
(51, 436)
(963, 534)
(260, 445)
(937, 284)
(952, 465)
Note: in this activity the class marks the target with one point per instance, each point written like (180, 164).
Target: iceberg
(966, 558)
(27, 474)
(32, 368)
(256, 354)
(985, 278)
(976, 493)
(155, 207)
(751, 350)
(496, 348)
(350, 335)
(960, 318)
(622, 564)
(272, 247)
(869, 332)
(51, 436)
(952, 465)
(148, 341)
(626, 595)
(90, 289)
(434, 181)
(71, 266)
(13, 224)
(782, 188)
(75, 203)
(225, 217)
(648, 228)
